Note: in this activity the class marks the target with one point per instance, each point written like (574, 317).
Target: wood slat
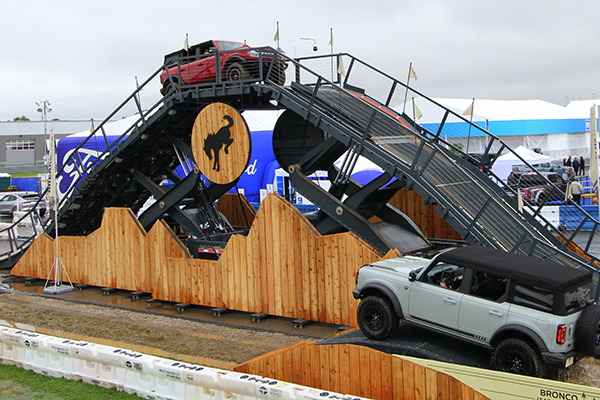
(283, 267)
(357, 371)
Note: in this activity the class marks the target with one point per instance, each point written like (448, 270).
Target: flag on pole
(185, 43)
(331, 40)
(469, 110)
(276, 37)
(92, 127)
(412, 73)
(416, 112)
(137, 85)
(341, 70)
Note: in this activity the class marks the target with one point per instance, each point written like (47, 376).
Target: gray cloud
(84, 56)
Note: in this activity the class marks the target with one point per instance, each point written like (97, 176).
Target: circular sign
(221, 143)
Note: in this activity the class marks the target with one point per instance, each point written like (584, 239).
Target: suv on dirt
(238, 62)
(529, 311)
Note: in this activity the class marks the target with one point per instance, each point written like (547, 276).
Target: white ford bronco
(529, 311)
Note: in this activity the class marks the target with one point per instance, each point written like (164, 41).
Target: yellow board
(221, 143)
(504, 386)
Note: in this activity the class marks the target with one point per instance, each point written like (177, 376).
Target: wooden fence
(357, 371)
(283, 267)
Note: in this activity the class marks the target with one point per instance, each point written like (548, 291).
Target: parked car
(531, 312)
(535, 188)
(198, 64)
(20, 201)
(550, 167)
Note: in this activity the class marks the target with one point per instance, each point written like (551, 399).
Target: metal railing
(480, 207)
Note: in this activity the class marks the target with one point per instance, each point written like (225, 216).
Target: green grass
(26, 174)
(17, 383)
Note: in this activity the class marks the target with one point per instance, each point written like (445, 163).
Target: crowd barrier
(147, 376)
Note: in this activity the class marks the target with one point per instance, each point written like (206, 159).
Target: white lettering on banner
(68, 172)
(251, 170)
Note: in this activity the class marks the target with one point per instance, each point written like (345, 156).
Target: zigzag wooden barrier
(357, 371)
(283, 267)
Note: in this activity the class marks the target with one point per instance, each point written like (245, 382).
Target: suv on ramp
(529, 311)
(238, 61)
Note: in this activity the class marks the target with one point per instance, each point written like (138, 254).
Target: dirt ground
(181, 339)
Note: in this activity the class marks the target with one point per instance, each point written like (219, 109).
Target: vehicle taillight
(527, 194)
(561, 334)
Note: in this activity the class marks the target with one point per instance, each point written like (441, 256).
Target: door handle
(449, 300)
(495, 313)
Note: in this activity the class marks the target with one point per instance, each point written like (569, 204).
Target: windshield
(224, 46)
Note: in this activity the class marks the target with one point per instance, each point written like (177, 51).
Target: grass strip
(17, 383)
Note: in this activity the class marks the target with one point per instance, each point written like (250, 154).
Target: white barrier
(14, 345)
(147, 376)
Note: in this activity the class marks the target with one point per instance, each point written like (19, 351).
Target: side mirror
(412, 275)
(212, 50)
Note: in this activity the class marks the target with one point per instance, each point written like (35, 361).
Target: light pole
(44, 109)
(315, 48)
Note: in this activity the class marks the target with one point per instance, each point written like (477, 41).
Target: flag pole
(470, 123)
(594, 154)
(331, 46)
(276, 38)
(57, 265)
(407, 83)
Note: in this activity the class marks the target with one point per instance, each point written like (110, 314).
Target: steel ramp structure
(334, 111)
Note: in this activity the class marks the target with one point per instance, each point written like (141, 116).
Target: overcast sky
(83, 56)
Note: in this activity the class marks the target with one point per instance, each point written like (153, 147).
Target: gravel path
(206, 343)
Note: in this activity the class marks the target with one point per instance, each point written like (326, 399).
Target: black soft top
(528, 270)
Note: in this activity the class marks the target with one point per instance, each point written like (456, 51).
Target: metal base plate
(58, 289)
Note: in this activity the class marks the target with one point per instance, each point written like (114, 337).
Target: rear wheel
(376, 318)
(518, 357)
(236, 72)
(587, 331)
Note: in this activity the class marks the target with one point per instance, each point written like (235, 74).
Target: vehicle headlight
(253, 53)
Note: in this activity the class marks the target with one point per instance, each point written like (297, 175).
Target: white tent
(503, 165)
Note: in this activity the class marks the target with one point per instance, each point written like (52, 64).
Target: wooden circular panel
(221, 143)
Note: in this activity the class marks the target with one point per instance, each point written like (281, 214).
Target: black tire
(167, 88)
(587, 331)
(236, 72)
(376, 318)
(518, 357)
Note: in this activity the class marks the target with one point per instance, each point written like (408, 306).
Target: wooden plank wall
(357, 371)
(237, 209)
(283, 267)
(120, 254)
(424, 216)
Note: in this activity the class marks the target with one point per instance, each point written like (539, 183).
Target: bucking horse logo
(221, 139)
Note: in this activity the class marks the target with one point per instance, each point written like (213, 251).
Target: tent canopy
(503, 165)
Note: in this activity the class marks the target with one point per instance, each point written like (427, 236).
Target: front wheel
(168, 88)
(236, 72)
(518, 357)
(376, 318)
